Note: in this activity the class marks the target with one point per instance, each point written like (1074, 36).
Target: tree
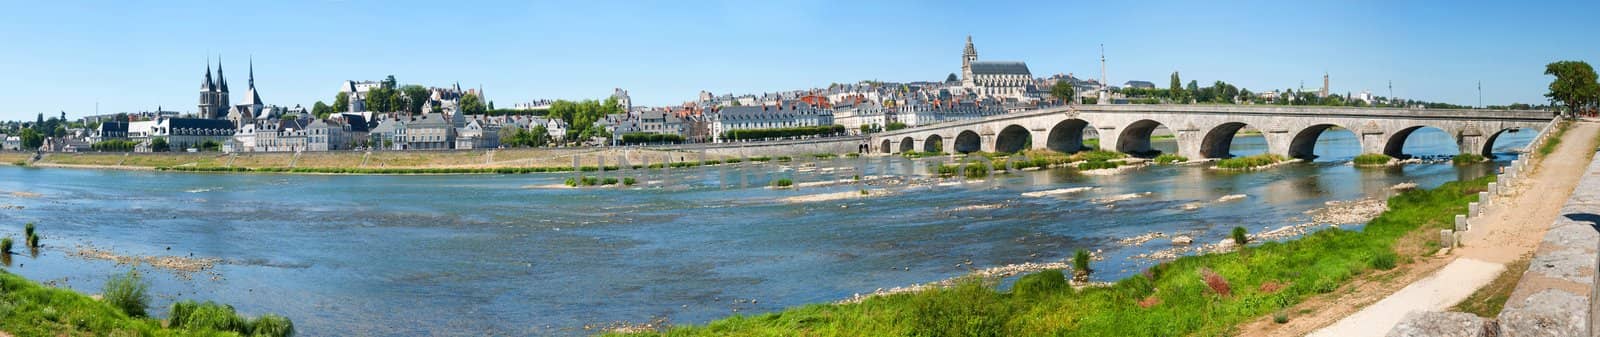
(491, 105)
(1062, 91)
(31, 140)
(321, 110)
(1177, 85)
(415, 97)
(159, 144)
(1574, 85)
(378, 100)
(952, 78)
(341, 102)
(471, 104)
(389, 83)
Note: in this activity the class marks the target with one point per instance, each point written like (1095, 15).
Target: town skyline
(670, 64)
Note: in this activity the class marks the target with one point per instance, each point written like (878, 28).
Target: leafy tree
(1194, 88)
(321, 110)
(31, 140)
(159, 144)
(378, 100)
(341, 102)
(491, 105)
(894, 126)
(389, 83)
(1062, 91)
(951, 78)
(1176, 87)
(1574, 85)
(415, 97)
(471, 104)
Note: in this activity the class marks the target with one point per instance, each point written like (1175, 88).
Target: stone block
(1483, 199)
(1472, 212)
(1441, 324)
(1447, 238)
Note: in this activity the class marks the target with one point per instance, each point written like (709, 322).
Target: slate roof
(1000, 68)
(199, 123)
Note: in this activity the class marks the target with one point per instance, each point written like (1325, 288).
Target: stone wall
(1556, 296)
(831, 145)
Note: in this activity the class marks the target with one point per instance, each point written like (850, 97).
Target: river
(506, 255)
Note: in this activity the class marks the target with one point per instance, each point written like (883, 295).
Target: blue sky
(137, 55)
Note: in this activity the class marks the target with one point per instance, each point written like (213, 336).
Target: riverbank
(496, 161)
(1169, 299)
(30, 309)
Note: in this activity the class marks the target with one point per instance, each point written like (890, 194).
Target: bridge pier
(1471, 141)
(894, 147)
(1374, 141)
(947, 143)
(988, 143)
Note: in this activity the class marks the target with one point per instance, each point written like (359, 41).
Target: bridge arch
(968, 141)
(1135, 138)
(1218, 142)
(933, 144)
(1395, 145)
(1013, 138)
(1304, 143)
(1067, 136)
(907, 144)
(1489, 143)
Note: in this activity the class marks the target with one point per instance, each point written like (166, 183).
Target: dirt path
(1505, 233)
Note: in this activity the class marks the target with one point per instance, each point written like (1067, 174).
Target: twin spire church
(214, 103)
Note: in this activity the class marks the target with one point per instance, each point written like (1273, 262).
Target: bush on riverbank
(1098, 155)
(1096, 165)
(222, 318)
(5, 245)
(1372, 159)
(30, 309)
(1168, 158)
(1245, 163)
(1319, 262)
(127, 292)
(1467, 158)
(970, 170)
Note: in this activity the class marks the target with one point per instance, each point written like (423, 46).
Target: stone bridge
(1205, 131)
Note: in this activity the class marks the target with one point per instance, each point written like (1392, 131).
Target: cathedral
(213, 95)
(994, 78)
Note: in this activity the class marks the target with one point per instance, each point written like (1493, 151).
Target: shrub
(1098, 155)
(784, 182)
(127, 292)
(1244, 163)
(1096, 165)
(1216, 282)
(270, 325)
(1041, 283)
(32, 240)
(179, 312)
(1280, 317)
(1240, 236)
(1168, 158)
(609, 181)
(1080, 261)
(629, 181)
(210, 315)
(1384, 260)
(1372, 159)
(783, 159)
(1467, 158)
(28, 229)
(5, 245)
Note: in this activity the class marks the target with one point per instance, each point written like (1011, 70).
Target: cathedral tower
(968, 56)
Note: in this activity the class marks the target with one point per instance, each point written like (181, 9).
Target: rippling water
(485, 254)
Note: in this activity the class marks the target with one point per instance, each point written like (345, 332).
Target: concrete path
(1445, 288)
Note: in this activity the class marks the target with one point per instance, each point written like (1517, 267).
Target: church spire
(252, 72)
(209, 85)
(222, 81)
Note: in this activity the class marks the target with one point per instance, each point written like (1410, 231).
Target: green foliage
(629, 181)
(1168, 158)
(1574, 85)
(415, 97)
(781, 183)
(1372, 159)
(5, 245)
(31, 140)
(31, 236)
(1467, 158)
(519, 137)
(471, 104)
(894, 126)
(114, 145)
(1098, 155)
(1062, 90)
(1280, 317)
(341, 101)
(159, 144)
(1096, 165)
(1384, 260)
(1245, 163)
(650, 138)
(799, 131)
(127, 292)
(1040, 284)
(582, 115)
(321, 110)
(518, 112)
(1240, 236)
(1080, 261)
(970, 170)
(270, 325)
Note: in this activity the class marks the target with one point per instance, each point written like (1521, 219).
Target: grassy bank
(1372, 159)
(1195, 295)
(1554, 140)
(30, 309)
(1245, 163)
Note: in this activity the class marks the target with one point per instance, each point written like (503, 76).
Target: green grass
(30, 309)
(1097, 155)
(1372, 159)
(970, 170)
(1467, 158)
(1489, 300)
(917, 154)
(1554, 140)
(1168, 158)
(1245, 163)
(1096, 165)
(5, 245)
(128, 292)
(784, 182)
(1181, 302)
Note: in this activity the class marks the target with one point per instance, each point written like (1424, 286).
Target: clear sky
(137, 55)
